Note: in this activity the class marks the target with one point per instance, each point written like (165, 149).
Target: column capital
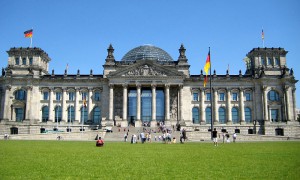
(167, 86)
(286, 87)
(264, 88)
(111, 86)
(241, 89)
(138, 86)
(153, 85)
(228, 89)
(125, 85)
(8, 87)
(29, 88)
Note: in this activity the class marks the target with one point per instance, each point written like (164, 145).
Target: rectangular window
(45, 95)
(277, 61)
(58, 96)
(248, 97)
(270, 61)
(24, 61)
(97, 96)
(221, 97)
(263, 61)
(17, 61)
(208, 96)
(195, 96)
(234, 96)
(84, 96)
(71, 96)
(30, 61)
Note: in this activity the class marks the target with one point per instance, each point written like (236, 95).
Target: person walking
(215, 137)
(234, 137)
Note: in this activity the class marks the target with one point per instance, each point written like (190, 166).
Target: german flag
(28, 34)
(206, 68)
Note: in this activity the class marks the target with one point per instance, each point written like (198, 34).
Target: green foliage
(116, 160)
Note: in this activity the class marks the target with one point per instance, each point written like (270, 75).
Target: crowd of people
(225, 137)
(164, 134)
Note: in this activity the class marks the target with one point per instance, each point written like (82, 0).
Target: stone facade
(260, 101)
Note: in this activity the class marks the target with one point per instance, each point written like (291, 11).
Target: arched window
(84, 114)
(20, 94)
(273, 96)
(195, 112)
(97, 115)
(248, 115)
(45, 114)
(57, 114)
(71, 114)
(235, 115)
(208, 115)
(222, 115)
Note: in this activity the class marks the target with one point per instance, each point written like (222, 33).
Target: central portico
(145, 87)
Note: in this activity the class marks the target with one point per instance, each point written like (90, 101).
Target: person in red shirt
(99, 142)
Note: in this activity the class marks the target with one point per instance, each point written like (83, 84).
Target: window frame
(195, 96)
(234, 96)
(58, 96)
(46, 95)
(24, 61)
(222, 96)
(97, 96)
(208, 96)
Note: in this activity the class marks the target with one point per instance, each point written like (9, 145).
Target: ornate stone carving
(145, 70)
(174, 103)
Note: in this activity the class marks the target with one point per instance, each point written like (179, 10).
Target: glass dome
(147, 52)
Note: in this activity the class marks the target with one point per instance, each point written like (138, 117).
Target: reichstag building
(147, 87)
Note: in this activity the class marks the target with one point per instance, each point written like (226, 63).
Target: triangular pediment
(146, 69)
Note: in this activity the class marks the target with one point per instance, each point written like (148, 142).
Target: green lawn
(119, 160)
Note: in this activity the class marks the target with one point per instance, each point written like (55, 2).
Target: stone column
(265, 99)
(242, 111)
(125, 94)
(51, 107)
(228, 102)
(89, 104)
(6, 103)
(216, 112)
(180, 102)
(153, 86)
(202, 110)
(294, 103)
(138, 102)
(287, 103)
(77, 106)
(111, 102)
(64, 111)
(28, 103)
(167, 101)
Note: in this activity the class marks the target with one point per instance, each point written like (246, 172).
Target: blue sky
(78, 32)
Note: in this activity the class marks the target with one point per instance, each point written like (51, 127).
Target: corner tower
(266, 61)
(27, 61)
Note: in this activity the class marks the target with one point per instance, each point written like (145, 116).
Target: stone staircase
(117, 134)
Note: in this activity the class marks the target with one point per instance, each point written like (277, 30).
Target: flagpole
(82, 119)
(31, 39)
(263, 37)
(211, 98)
